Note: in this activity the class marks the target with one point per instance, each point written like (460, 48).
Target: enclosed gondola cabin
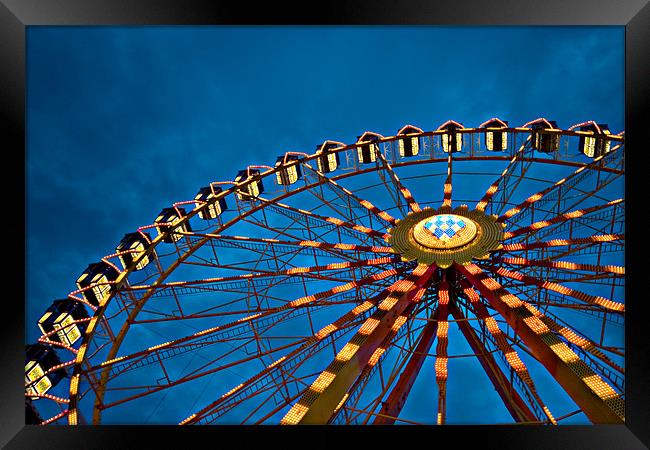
(99, 274)
(409, 145)
(598, 144)
(134, 245)
(216, 207)
(252, 189)
(288, 173)
(451, 140)
(367, 148)
(59, 318)
(543, 141)
(495, 141)
(328, 161)
(172, 217)
(39, 359)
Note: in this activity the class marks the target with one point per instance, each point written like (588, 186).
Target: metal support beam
(513, 402)
(395, 402)
(322, 398)
(599, 402)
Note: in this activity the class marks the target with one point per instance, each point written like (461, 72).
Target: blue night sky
(122, 122)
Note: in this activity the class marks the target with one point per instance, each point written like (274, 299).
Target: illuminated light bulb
(295, 414)
(600, 387)
(565, 353)
(347, 352)
(345, 397)
(369, 326)
(302, 301)
(398, 323)
(388, 303)
(334, 220)
(253, 316)
(326, 331)
(277, 362)
(374, 358)
(232, 390)
(536, 325)
(365, 306)
(323, 381)
(514, 361)
(492, 325)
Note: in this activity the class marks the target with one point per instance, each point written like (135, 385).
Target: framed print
(379, 214)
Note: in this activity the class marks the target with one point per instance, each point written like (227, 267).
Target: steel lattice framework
(279, 297)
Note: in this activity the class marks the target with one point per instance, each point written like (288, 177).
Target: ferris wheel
(328, 289)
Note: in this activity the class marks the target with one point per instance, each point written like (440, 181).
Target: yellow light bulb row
(570, 215)
(564, 265)
(601, 301)
(415, 207)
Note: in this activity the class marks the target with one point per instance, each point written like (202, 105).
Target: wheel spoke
(413, 205)
(564, 242)
(393, 405)
(494, 187)
(586, 298)
(329, 220)
(446, 202)
(577, 378)
(321, 399)
(528, 230)
(514, 403)
(539, 195)
(441, 350)
(564, 265)
(300, 302)
(325, 332)
(302, 243)
(383, 215)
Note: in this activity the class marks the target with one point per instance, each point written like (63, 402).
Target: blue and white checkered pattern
(445, 227)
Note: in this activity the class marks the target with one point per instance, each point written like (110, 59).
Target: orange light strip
(562, 265)
(48, 396)
(440, 365)
(332, 220)
(365, 203)
(448, 186)
(561, 218)
(57, 344)
(511, 355)
(413, 205)
(399, 322)
(591, 299)
(563, 242)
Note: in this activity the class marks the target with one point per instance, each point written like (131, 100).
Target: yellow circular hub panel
(446, 236)
(444, 231)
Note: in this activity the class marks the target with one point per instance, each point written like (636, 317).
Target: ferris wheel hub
(445, 231)
(446, 236)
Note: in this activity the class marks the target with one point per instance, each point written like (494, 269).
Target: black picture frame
(16, 15)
